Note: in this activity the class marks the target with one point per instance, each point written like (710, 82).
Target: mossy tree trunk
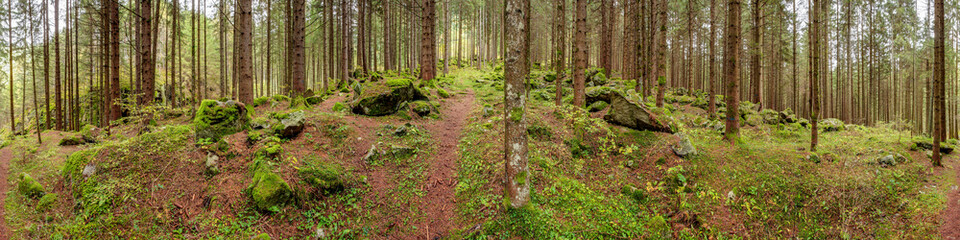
(731, 71)
(579, 53)
(515, 143)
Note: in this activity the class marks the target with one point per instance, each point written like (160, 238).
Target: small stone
(320, 234)
(731, 196)
(684, 148)
(89, 170)
(212, 164)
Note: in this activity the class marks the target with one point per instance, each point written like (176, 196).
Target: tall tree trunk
(815, 73)
(579, 53)
(731, 69)
(13, 123)
(661, 51)
(428, 43)
(113, 57)
(606, 35)
(297, 64)
(46, 64)
(938, 82)
(244, 33)
(712, 77)
(515, 142)
(446, 37)
(756, 52)
(33, 73)
(58, 98)
(630, 44)
(560, 43)
(146, 52)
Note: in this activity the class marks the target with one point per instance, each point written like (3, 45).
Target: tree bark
(711, 78)
(515, 143)
(146, 53)
(244, 33)
(580, 53)
(560, 43)
(731, 70)
(815, 74)
(938, 81)
(428, 43)
(297, 61)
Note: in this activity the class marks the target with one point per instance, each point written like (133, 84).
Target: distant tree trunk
(428, 43)
(33, 72)
(56, 60)
(244, 33)
(330, 39)
(815, 73)
(756, 51)
(13, 123)
(630, 44)
(175, 46)
(446, 37)
(46, 64)
(297, 63)
(938, 81)
(731, 70)
(712, 78)
(560, 43)
(146, 52)
(661, 50)
(606, 35)
(515, 143)
(580, 53)
(796, 90)
(113, 58)
(269, 63)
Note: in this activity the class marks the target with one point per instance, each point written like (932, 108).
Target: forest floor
(590, 179)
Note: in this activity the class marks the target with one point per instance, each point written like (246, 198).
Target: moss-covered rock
(262, 236)
(325, 177)
(291, 124)
(421, 108)
(442, 93)
(597, 94)
(268, 190)
(597, 106)
(629, 114)
(260, 101)
(29, 187)
(314, 100)
(831, 125)
(72, 139)
(380, 102)
(281, 98)
(339, 107)
(216, 119)
(47, 201)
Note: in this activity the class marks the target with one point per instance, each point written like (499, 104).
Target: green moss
(521, 178)
(254, 137)
(47, 201)
(399, 82)
(214, 120)
(597, 106)
(339, 107)
(29, 187)
(260, 101)
(421, 108)
(325, 177)
(268, 190)
(442, 93)
(281, 98)
(516, 114)
(262, 236)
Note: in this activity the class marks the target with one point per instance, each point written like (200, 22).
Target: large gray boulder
(386, 100)
(626, 113)
(216, 119)
(291, 124)
(684, 148)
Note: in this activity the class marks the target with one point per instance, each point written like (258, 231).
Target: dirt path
(5, 158)
(438, 204)
(950, 217)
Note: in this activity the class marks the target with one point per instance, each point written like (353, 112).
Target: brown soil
(950, 217)
(5, 157)
(439, 203)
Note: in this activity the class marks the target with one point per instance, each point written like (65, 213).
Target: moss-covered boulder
(442, 93)
(47, 202)
(29, 187)
(632, 115)
(268, 190)
(597, 94)
(72, 139)
(291, 124)
(380, 100)
(925, 143)
(421, 108)
(216, 119)
(597, 106)
(325, 177)
(831, 125)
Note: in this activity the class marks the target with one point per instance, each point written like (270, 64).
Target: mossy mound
(381, 101)
(326, 178)
(597, 94)
(29, 187)
(72, 139)
(216, 119)
(831, 125)
(421, 108)
(47, 201)
(597, 106)
(268, 190)
(442, 93)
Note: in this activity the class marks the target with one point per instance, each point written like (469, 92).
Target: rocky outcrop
(389, 101)
(216, 119)
(626, 113)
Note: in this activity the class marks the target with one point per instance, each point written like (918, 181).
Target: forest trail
(438, 204)
(950, 227)
(5, 157)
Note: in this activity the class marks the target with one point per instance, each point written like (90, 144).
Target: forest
(479, 119)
